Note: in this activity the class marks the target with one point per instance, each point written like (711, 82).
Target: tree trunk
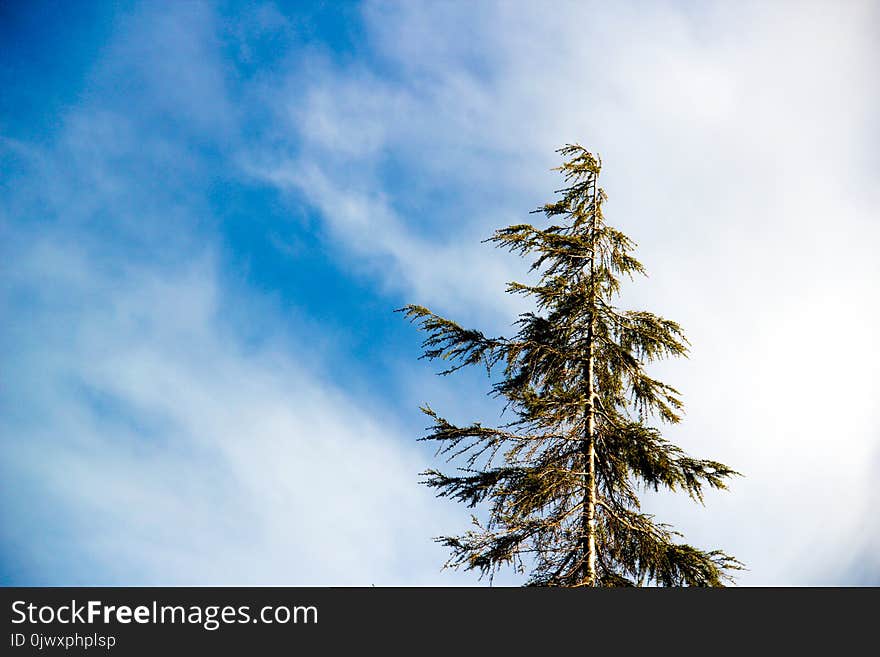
(589, 517)
(589, 508)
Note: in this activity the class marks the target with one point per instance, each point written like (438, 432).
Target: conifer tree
(562, 478)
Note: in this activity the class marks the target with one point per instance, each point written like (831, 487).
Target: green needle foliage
(561, 480)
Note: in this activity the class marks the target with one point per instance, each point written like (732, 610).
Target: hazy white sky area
(150, 437)
(741, 151)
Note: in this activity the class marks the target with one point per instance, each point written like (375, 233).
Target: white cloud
(381, 242)
(146, 438)
(739, 151)
(180, 455)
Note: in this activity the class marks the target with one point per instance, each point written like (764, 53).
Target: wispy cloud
(147, 438)
(738, 150)
(156, 428)
(179, 455)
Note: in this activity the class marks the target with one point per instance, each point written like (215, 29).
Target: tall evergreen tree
(562, 478)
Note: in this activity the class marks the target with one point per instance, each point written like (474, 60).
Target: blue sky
(210, 210)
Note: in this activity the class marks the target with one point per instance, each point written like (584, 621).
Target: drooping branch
(448, 341)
